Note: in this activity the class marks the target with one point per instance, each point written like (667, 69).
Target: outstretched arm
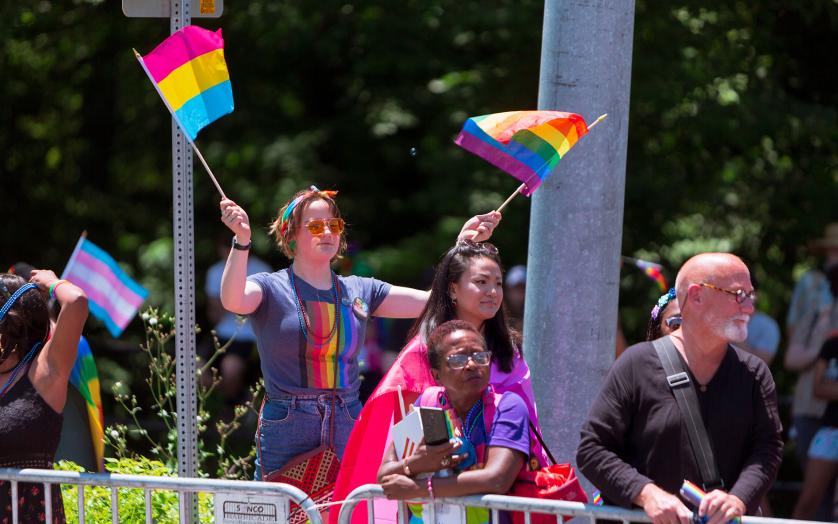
(405, 302)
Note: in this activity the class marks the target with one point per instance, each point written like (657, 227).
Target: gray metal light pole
(577, 215)
(184, 259)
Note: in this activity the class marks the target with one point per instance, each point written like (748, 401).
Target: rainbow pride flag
(113, 297)
(525, 144)
(653, 271)
(85, 379)
(190, 74)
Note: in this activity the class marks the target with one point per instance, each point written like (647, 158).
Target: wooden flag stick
(180, 125)
(523, 186)
(513, 195)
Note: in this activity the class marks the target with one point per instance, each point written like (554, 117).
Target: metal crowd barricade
(243, 488)
(528, 506)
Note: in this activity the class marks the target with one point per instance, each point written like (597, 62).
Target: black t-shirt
(829, 354)
(635, 432)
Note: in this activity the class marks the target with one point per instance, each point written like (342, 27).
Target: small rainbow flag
(190, 74)
(653, 271)
(694, 494)
(597, 498)
(85, 379)
(113, 296)
(525, 144)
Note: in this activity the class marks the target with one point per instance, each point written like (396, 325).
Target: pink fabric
(114, 291)
(371, 434)
(184, 45)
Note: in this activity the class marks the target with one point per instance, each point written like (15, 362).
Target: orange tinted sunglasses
(317, 226)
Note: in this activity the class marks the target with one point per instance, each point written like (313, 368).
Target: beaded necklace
(472, 417)
(305, 322)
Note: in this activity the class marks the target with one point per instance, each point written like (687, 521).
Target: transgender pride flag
(113, 297)
(190, 73)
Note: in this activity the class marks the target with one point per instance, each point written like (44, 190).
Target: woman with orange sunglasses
(310, 323)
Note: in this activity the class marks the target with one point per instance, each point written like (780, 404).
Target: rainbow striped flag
(525, 144)
(653, 271)
(85, 379)
(113, 297)
(190, 74)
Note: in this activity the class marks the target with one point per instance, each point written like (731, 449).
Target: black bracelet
(241, 247)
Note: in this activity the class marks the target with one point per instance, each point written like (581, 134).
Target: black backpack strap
(684, 391)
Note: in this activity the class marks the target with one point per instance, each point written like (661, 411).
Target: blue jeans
(294, 424)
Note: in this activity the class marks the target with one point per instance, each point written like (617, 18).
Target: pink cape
(371, 435)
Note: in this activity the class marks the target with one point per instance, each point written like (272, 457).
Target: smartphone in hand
(434, 426)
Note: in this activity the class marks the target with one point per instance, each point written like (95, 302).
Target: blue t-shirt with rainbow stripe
(298, 364)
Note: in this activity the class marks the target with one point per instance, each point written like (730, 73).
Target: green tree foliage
(732, 138)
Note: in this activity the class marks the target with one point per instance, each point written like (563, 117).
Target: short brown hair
(284, 239)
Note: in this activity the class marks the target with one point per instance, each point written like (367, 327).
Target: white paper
(407, 435)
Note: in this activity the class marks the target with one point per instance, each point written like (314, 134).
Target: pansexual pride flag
(189, 72)
(85, 379)
(113, 297)
(525, 144)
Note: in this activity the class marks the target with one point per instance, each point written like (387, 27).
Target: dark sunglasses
(317, 226)
(460, 360)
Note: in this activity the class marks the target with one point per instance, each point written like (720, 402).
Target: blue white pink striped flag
(113, 297)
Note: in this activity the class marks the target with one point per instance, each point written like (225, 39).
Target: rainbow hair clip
(285, 220)
(662, 302)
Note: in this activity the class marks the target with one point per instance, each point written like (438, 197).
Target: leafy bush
(131, 502)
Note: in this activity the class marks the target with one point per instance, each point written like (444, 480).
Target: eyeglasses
(484, 247)
(740, 294)
(317, 226)
(674, 322)
(460, 360)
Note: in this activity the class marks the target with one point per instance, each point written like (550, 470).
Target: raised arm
(237, 294)
(404, 302)
(479, 227)
(51, 370)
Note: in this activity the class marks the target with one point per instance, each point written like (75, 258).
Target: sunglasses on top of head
(317, 226)
(480, 247)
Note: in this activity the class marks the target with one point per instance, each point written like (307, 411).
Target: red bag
(315, 473)
(556, 482)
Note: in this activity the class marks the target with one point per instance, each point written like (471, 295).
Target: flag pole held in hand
(190, 75)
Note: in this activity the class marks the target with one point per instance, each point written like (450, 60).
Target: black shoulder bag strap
(684, 391)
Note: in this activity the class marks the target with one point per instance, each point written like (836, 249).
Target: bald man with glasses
(635, 445)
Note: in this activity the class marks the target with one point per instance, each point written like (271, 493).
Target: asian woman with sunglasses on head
(467, 286)
(310, 322)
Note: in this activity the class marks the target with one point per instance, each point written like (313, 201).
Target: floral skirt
(30, 497)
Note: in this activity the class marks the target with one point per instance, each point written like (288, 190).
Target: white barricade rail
(497, 503)
(236, 501)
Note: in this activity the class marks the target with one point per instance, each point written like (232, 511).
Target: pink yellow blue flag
(526, 144)
(190, 74)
